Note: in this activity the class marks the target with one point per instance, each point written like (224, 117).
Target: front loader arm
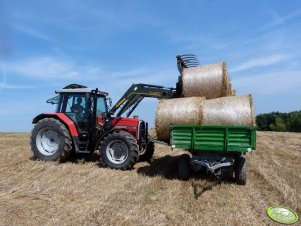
(135, 94)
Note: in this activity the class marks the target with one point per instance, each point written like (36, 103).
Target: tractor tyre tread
(131, 143)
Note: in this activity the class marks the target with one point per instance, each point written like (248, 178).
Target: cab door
(76, 107)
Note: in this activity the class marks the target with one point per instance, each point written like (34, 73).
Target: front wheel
(119, 150)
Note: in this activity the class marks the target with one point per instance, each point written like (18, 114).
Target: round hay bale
(209, 81)
(229, 111)
(233, 110)
(177, 111)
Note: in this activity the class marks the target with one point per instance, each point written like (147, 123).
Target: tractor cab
(78, 104)
(82, 106)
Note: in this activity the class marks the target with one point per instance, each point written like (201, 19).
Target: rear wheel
(50, 140)
(119, 150)
(148, 153)
(241, 171)
(184, 167)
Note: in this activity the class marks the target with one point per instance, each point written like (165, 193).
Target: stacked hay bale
(178, 111)
(209, 81)
(208, 99)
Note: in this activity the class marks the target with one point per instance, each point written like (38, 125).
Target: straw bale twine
(210, 81)
(234, 110)
(177, 111)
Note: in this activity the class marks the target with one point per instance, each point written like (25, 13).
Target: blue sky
(47, 44)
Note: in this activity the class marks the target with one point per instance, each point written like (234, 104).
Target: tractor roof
(76, 88)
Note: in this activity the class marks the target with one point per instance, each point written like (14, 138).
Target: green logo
(282, 215)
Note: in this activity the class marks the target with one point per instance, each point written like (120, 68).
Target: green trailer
(217, 149)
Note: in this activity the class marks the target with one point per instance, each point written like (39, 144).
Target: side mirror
(53, 100)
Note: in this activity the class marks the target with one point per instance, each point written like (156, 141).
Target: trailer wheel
(149, 151)
(50, 140)
(227, 173)
(119, 150)
(184, 167)
(241, 171)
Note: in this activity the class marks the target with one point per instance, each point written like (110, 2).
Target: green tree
(279, 125)
(294, 122)
(264, 121)
(277, 121)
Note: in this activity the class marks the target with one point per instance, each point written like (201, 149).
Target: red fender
(62, 117)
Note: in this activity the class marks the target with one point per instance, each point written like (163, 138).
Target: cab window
(101, 105)
(72, 103)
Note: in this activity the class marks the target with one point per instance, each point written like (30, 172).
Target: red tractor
(84, 123)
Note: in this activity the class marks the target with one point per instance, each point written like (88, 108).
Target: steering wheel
(80, 116)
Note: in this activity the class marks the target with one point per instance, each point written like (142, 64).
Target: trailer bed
(214, 138)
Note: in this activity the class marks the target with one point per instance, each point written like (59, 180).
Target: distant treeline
(277, 121)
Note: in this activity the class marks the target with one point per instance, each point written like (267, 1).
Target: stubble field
(79, 192)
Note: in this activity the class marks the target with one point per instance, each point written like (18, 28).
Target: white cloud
(270, 83)
(5, 85)
(49, 68)
(281, 20)
(55, 69)
(9, 86)
(32, 32)
(260, 62)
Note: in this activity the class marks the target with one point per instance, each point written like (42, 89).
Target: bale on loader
(210, 81)
(234, 110)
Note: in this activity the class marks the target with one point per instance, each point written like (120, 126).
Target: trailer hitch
(211, 165)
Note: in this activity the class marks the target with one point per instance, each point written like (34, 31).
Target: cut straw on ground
(79, 192)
